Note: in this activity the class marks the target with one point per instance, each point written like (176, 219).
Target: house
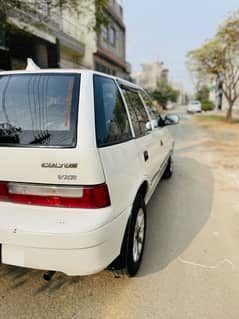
(110, 55)
(52, 38)
(150, 75)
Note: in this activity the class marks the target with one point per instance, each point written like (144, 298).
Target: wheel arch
(142, 191)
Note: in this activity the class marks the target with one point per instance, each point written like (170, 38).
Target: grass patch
(215, 118)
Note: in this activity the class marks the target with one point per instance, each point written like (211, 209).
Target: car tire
(129, 261)
(169, 169)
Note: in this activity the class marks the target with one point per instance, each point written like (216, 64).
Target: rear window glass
(39, 109)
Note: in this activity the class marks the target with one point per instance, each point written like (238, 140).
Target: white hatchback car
(81, 153)
(194, 107)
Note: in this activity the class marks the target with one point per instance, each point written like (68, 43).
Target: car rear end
(194, 107)
(55, 207)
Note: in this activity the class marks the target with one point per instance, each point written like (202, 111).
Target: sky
(165, 30)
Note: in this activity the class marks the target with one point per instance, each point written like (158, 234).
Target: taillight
(3, 191)
(55, 195)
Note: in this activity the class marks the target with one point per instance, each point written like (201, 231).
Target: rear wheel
(129, 261)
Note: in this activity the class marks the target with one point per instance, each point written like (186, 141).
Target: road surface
(191, 261)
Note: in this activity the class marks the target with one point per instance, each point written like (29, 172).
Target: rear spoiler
(31, 66)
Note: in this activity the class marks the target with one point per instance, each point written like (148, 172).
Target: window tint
(112, 124)
(38, 109)
(137, 112)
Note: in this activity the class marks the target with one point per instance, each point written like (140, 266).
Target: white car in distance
(194, 107)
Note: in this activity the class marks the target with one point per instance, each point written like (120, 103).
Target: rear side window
(112, 123)
(39, 109)
(138, 114)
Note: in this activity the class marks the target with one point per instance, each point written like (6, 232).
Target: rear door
(116, 145)
(143, 132)
(162, 138)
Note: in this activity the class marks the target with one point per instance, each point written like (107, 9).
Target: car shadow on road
(178, 210)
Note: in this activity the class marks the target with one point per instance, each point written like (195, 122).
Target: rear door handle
(146, 156)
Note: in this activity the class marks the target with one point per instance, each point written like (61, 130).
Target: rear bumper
(74, 250)
(73, 262)
(194, 110)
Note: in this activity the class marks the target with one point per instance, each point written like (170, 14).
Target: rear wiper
(9, 133)
(41, 138)
(6, 129)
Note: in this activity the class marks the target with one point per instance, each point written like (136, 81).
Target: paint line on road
(221, 262)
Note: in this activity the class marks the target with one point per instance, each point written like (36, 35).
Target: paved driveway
(190, 266)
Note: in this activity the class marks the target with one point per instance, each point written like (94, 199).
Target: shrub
(207, 106)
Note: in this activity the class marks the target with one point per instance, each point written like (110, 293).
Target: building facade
(110, 55)
(60, 40)
(150, 75)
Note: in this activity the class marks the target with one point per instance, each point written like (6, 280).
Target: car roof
(76, 71)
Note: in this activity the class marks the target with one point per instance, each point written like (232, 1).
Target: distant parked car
(194, 107)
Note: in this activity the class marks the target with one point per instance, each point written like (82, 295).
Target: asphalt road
(190, 266)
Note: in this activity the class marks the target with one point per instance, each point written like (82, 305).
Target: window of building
(112, 123)
(105, 32)
(97, 66)
(104, 69)
(43, 7)
(138, 114)
(112, 36)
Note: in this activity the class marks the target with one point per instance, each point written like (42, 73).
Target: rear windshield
(39, 109)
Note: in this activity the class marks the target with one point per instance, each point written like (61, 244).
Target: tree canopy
(219, 57)
(165, 93)
(203, 94)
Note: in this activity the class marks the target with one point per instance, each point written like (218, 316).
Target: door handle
(146, 156)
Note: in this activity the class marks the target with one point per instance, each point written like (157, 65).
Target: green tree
(219, 57)
(165, 93)
(160, 98)
(174, 95)
(202, 94)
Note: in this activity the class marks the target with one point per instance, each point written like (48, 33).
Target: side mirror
(171, 119)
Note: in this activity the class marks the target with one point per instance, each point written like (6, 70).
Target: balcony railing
(58, 26)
